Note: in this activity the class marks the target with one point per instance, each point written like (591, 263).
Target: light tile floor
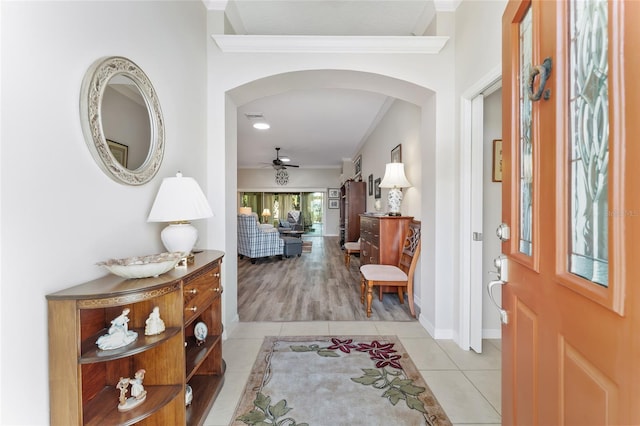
(466, 384)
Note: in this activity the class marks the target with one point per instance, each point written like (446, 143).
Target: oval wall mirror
(122, 120)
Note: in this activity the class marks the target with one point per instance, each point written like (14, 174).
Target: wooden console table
(82, 378)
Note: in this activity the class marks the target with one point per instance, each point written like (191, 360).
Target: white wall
(491, 211)
(60, 213)
(300, 180)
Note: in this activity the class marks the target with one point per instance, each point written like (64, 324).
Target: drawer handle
(218, 289)
(194, 309)
(217, 275)
(192, 291)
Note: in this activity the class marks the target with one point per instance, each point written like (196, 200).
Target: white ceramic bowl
(143, 266)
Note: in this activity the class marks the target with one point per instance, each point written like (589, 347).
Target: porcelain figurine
(154, 324)
(138, 394)
(188, 395)
(119, 334)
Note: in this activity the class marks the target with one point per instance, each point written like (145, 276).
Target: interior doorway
(474, 305)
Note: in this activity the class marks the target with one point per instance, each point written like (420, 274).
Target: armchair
(256, 240)
(294, 221)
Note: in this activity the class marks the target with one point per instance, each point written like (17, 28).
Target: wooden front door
(571, 197)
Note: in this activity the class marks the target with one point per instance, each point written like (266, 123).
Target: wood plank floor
(316, 286)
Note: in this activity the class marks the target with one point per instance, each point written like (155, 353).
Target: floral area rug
(318, 380)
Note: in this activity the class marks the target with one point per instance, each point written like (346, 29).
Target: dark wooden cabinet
(82, 378)
(353, 202)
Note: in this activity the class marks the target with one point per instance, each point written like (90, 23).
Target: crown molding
(328, 44)
(447, 5)
(219, 5)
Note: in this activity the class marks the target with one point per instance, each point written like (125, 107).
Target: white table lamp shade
(179, 201)
(395, 179)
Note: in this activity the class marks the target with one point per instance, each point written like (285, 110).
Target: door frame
(471, 129)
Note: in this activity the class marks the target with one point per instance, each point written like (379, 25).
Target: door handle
(504, 317)
(503, 232)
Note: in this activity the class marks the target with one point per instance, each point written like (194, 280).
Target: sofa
(257, 240)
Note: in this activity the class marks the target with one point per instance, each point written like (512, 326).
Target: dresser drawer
(368, 224)
(200, 292)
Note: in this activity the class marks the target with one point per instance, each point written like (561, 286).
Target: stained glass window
(589, 139)
(525, 142)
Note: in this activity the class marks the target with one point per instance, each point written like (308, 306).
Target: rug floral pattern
(303, 381)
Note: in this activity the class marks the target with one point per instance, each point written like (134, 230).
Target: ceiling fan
(281, 163)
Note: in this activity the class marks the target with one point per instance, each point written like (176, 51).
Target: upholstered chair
(349, 249)
(257, 240)
(296, 221)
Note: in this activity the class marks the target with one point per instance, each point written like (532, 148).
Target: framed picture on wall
(357, 165)
(396, 154)
(377, 188)
(334, 192)
(119, 151)
(370, 184)
(333, 203)
(496, 175)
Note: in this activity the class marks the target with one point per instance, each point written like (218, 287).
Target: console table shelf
(91, 353)
(82, 377)
(100, 410)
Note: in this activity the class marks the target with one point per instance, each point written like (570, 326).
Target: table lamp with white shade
(265, 215)
(179, 201)
(395, 179)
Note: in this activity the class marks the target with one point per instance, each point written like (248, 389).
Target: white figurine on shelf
(138, 394)
(119, 334)
(137, 390)
(154, 324)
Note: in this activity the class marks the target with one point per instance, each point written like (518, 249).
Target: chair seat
(373, 272)
(349, 248)
(352, 247)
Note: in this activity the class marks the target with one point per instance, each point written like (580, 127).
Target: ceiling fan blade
(291, 165)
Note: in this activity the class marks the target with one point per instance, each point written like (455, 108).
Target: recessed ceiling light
(261, 126)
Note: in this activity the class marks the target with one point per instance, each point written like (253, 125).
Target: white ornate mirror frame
(91, 97)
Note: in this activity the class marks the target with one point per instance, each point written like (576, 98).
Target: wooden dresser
(381, 238)
(353, 200)
(82, 378)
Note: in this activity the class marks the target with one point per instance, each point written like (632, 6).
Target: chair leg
(369, 297)
(401, 295)
(347, 259)
(362, 285)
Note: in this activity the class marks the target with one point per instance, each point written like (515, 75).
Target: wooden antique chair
(394, 276)
(349, 249)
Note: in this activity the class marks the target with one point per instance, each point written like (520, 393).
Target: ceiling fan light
(261, 126)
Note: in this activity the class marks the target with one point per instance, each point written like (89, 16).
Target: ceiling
(318, 128)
